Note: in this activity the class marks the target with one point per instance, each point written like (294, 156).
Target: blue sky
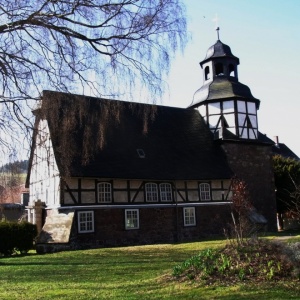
(264, 34)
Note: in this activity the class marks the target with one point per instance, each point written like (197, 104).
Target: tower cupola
(219, 61)
(227, 105)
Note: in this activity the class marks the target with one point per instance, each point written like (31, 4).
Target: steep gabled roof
(284, 150)
(176, 145)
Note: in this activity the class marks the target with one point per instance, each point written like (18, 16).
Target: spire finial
(216, 20)
(218, 29)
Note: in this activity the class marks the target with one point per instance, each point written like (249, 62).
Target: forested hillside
(16, 167)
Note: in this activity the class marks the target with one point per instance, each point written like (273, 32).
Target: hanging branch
(100, 47)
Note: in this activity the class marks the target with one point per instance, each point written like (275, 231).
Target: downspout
(176, 212)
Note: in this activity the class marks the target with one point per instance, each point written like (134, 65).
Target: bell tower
(230, 111)
(228, 107)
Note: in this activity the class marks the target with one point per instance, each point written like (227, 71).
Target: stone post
(38, 211)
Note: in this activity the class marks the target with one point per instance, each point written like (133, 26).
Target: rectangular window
(214, 108)
(151, 192)
(132, 219)
(214, 121)
(241, 119)
(85, 221)
(251, 108)
(204, 192)
(228, 107)
(189, 216)
(241, 105)
(104, 192)
(230, 119)
(165, 192)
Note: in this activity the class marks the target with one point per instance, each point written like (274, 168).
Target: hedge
(16, 237)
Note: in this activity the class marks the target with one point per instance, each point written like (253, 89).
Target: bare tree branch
(62, 44)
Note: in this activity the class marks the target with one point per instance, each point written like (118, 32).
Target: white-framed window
(204, 192)
(189, 216)
(151, 192)
(104, 192)
(132, 220)
(85, 221)
(165, 192)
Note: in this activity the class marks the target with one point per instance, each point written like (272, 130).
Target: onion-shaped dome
(219, 50)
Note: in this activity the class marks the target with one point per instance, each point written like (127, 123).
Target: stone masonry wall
(157, 225)
(253, 164)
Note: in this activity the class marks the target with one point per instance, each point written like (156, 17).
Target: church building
(151, 173)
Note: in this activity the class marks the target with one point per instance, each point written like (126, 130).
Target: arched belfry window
(219, 69)
(207, 73)
(231, 70)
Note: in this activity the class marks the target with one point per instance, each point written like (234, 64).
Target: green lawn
(121, 273)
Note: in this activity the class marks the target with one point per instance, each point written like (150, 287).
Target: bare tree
(291, 204)
(287, 182)
(11, 181)
(103, 47)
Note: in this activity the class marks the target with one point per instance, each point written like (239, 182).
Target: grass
(141, 272)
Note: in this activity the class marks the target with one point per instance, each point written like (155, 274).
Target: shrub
(25, 237)
(16, 237)
(259, 260)
(7, 238)
(292, 251)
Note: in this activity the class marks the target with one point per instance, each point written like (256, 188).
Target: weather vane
(216, 20)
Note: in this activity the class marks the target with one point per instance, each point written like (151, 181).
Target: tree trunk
(279, 221)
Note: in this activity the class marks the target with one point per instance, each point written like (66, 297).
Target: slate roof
(217, 50)
(229, 136)
(284, 150)
(223, 88)
(278, 148)
(177, 145)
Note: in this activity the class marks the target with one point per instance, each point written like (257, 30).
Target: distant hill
(16, 167)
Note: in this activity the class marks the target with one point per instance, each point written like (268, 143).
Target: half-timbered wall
(80, 191)
(44, 176)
